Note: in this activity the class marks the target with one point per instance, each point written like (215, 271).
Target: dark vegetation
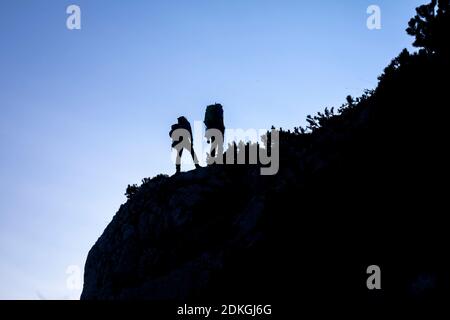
(362, 184)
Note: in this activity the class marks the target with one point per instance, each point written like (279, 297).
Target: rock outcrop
(359, 188)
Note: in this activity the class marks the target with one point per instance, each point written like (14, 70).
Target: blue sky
(86, 112)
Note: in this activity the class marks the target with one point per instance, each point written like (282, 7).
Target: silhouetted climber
(215, 128)
(181, 134)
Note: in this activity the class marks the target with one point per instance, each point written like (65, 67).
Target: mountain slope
(365, 186)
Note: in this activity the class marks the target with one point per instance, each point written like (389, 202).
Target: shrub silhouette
(431, 27)
(131, 190)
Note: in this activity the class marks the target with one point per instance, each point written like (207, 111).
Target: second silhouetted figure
(215, 128)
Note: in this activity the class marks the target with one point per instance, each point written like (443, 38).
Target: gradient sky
(86, 112)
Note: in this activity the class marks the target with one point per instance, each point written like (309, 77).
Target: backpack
(173, 128)
(214, 117)
(184, 124)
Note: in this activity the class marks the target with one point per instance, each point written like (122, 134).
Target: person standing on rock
(215, 131)
(181, 134)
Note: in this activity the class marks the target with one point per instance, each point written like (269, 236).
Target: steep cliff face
(175, 235)
(359, 190)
